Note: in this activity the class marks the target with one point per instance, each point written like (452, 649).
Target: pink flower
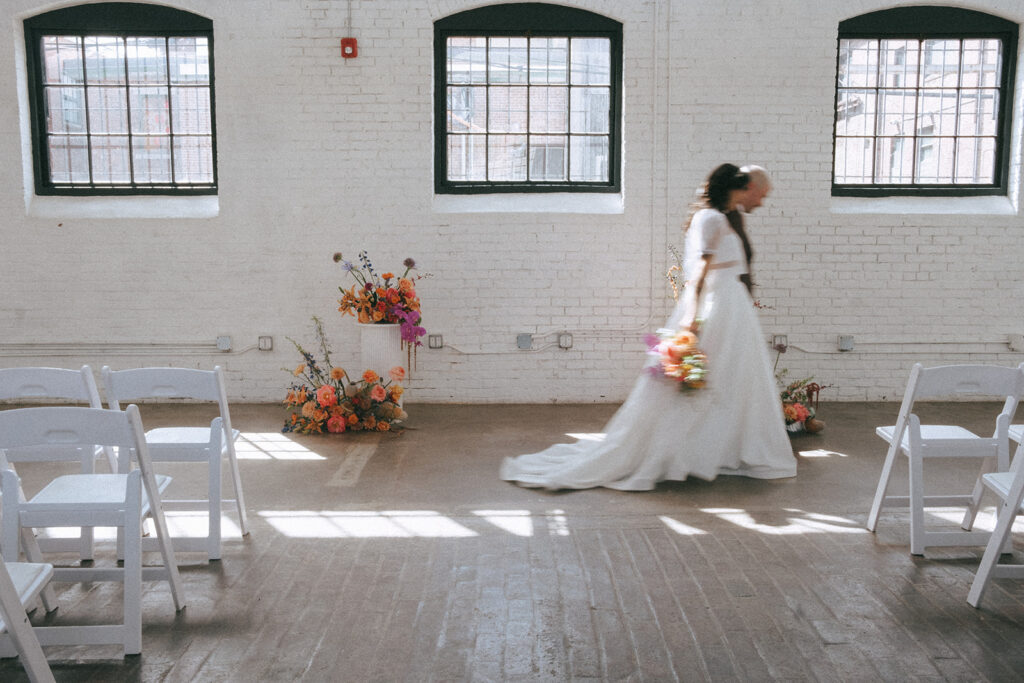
(336, 424)
(326, 396)
(397, 373)
(378, 393)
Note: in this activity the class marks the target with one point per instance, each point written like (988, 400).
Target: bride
(732, 426)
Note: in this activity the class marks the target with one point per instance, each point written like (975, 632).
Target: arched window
(923, 103)
(527, 99)
(121, 98)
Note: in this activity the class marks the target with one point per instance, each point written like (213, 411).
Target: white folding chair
(121, 500)
(20, 585)
(923, 442)
(50, 385)
(188, 444)
(1009, 486)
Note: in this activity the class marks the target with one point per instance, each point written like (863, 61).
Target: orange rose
(396, 392)
(337, 373)
(308, 409)
(326, 396)
(388, 276)
(370, 422)
(383, 426)
(370, 376)
(364, 317)
(353, 419)
(397, 373)
(404, 284)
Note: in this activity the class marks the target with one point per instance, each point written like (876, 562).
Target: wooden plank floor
(404, 558)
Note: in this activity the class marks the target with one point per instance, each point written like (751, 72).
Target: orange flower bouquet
(382, 298)
(679, 358)
(324, 398)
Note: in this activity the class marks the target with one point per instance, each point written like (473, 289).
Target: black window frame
(122, 19)
(927, 22)
(526, 20)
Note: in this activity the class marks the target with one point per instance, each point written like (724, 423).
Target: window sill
(553, 202)
(1000, 206)
(201, 206)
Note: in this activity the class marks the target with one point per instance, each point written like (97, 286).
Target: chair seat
(927, 432)
(180, 443)
(89, 491)
(29, 578)
(181, 435)
(1000, 483)
(1017, 433)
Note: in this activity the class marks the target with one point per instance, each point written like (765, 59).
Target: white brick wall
(319, 154)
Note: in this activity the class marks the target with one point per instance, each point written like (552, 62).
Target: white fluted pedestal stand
(380, 349)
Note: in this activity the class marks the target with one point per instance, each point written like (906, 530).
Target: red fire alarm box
(349, 48)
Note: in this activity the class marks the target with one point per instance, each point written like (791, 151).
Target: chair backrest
(40, 384)
(958, 381)
(79, 427)
(168, 383)
(33, 384)
(161, 383)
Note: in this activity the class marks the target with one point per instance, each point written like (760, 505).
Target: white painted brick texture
(318, 154)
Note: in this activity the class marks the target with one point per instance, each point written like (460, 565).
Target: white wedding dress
(732, 426)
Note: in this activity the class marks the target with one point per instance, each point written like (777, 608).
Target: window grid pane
(114, 106)
(518, 109)
(907, 109)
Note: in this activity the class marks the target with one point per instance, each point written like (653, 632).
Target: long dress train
(732, 426)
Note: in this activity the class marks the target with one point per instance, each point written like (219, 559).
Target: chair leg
(917, 531)
(236, 480)
(167, 553)
(86, 540)
(213, 495)
(34, 554)
(974, 506)
(20, 630)
(883, 485)
(133, 580)
(1000, 537)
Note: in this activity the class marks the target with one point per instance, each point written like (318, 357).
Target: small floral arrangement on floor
(324, 398)
(382, 298)
(799, 398)
(800, 403)
(679, 358)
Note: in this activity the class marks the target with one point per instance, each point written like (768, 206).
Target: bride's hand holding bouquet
(680, 358)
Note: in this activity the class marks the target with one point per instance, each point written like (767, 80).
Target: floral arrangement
(679, 358)
(798, 400)
(324, 397)
(382, 298)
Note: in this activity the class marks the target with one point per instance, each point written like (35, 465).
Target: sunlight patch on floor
(516, 522)
(271, 446)
(819, 453)
(368, 524)
(680, 528)
(800, 522)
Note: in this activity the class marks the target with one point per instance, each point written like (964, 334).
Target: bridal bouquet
(679, 358)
